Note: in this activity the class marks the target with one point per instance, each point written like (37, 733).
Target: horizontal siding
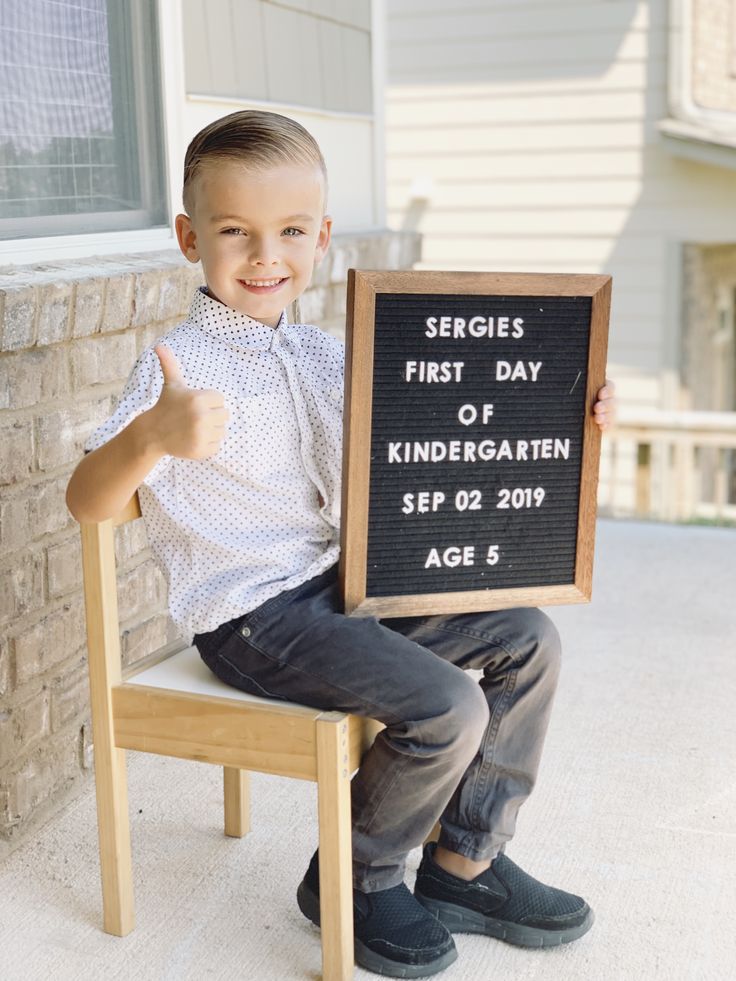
(532, 129)
(497, 59)
(313, 53)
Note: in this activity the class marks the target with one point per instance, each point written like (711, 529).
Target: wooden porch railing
(670, 465)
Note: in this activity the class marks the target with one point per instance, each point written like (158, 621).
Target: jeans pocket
(233, 674)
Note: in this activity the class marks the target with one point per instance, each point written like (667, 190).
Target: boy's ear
(187, 237)
(323, 240)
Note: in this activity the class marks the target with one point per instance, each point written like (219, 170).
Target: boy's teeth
(262, 282)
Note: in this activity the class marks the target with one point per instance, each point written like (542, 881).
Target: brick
(54, 309)
(47, 508)
(336, 302)
(70, 699)
(55, 638)
(101, 360)
(15, 528)
(87, 749)
(142, 638)
(145, 298)
(21, 586)
(40, 777)
(141, 589)
(61, 435)
(344, 257)
(193, 279)
(64, 564)
(32, 377)
(118, 309)
(170, 295)
(19, 318)
(88, 303)
(4, 666)
(312, 306)
(22, 726)
(16, 451)
(130, 541)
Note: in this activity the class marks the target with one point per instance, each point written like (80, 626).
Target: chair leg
(335, 847)
(113, 828)
(237, 801)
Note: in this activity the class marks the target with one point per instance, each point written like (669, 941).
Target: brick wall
(714, 54)
(69, 334)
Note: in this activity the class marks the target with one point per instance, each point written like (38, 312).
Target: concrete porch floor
(635, 809)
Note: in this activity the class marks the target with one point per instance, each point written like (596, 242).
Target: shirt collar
(229, 325)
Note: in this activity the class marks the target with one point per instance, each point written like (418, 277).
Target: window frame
(132, 234)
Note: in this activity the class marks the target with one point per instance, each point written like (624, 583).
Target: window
(80, 117)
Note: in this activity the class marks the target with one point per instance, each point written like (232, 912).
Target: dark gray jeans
(454, 749)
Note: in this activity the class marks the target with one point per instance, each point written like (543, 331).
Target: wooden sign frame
(363, 288)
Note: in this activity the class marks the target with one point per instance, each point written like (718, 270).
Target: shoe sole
(369, 959)
(459, 919)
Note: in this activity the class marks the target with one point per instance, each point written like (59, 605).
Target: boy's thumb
(169, 366)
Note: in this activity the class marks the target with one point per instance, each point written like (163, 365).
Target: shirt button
(245, 631)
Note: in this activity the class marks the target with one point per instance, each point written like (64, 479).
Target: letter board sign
(470, 453)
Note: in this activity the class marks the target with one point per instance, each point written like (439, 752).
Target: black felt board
(536, 544)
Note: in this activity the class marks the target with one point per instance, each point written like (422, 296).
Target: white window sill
(700, 142)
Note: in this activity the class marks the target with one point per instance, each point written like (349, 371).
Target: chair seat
(186, 672)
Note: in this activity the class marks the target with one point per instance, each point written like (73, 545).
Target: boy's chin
(268, 317)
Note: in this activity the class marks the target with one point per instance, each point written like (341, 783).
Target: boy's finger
(169, 366)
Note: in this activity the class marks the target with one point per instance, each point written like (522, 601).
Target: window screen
(79, 117)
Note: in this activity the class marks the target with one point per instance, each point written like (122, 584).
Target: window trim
(692, 131)
(44, 248)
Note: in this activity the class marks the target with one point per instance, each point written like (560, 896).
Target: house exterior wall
(315, 60)
(532, 130)
(70, 330)
(69, 335)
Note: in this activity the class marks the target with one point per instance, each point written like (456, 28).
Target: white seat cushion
(185, 671)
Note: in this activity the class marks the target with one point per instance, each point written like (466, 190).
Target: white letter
(467, 414)
(411, 367)
(433, 559)
(503, 370)
(534, 367)
(431, 330)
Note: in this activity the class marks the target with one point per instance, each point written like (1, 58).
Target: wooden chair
(170, 703)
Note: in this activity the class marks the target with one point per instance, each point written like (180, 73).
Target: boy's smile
(259, 234)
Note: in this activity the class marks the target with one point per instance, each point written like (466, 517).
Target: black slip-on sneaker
(502, 902)
(394, 935)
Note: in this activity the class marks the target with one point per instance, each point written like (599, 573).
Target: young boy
(230, 429)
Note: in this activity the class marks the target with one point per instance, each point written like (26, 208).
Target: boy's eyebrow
(301, 217)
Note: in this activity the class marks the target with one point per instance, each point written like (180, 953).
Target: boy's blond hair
(255, 138)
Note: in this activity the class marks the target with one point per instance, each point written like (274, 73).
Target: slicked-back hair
(254, 138)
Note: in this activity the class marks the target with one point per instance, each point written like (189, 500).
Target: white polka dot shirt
(231, 531)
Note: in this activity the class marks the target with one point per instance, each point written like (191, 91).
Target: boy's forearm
(106, 479)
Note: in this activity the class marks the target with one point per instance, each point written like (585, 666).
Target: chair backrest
(101, 597)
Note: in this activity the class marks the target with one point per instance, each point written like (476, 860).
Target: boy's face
(259, 234)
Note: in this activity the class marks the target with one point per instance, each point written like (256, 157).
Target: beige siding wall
(531, 128)
(311, 59)
(307, 52)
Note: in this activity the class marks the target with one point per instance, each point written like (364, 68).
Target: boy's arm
(106, 479)
(185, 422)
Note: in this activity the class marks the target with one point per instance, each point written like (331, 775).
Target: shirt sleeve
(141, 392)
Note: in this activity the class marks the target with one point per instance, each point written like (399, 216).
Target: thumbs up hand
(186, 422)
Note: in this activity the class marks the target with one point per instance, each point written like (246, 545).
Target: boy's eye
(233, 231)
(293, 232)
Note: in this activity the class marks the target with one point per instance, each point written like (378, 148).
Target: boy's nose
(263, 252)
